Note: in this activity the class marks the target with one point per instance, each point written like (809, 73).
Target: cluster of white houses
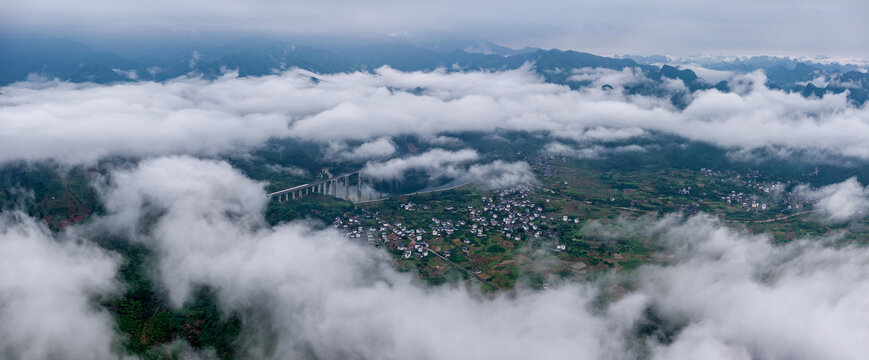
(509, 213)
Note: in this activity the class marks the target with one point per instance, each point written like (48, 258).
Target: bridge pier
(331, 186)
(347, 187)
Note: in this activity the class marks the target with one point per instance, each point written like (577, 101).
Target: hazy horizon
(622, 27)
(250, 180)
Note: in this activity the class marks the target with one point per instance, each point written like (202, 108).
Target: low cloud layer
(376, 149)
(188, 189)
(312, 294)
(439, 163)
(47, 292)
(436, 162)
(81, 123)
(591, 151)
(745, 298)
(839, 202)
(599, 77)
(379, 148)
(325, 296)
(501, 174)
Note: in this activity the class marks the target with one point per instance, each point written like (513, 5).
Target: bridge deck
(299, 187)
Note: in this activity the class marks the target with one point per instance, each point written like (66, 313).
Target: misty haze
(625, 180)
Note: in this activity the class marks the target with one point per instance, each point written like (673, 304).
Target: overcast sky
(680, 27)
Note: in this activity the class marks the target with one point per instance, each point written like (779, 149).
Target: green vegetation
(627, 185)
(142, 311)
(59, 196)
(314, 206)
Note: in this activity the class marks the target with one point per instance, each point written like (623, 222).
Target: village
(757, 195)
(479, 231)
(508, 214)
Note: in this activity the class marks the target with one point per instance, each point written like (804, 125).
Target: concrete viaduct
(337, 186)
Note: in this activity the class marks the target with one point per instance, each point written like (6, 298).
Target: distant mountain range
(68, 60)
(803, 76)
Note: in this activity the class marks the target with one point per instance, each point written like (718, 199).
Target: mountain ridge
(68, 60)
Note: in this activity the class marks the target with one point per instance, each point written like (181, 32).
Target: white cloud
(436, 162)
(442, 140)
(306, 293)
(379, 148)
(499, 174)
(820, 81)
(456, 165)
(323, 295)
(187, 188)
(590, 152)
(752, 117)
(615, 78)
(839, 202)
(48, 288)
(744, 297)
(82, 123)
(292, 170)
(697, 343)
(711, 76)
(376, 149)
(600, 133)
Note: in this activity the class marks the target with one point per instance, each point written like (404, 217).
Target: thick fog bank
(82, 123)
(305, 293)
